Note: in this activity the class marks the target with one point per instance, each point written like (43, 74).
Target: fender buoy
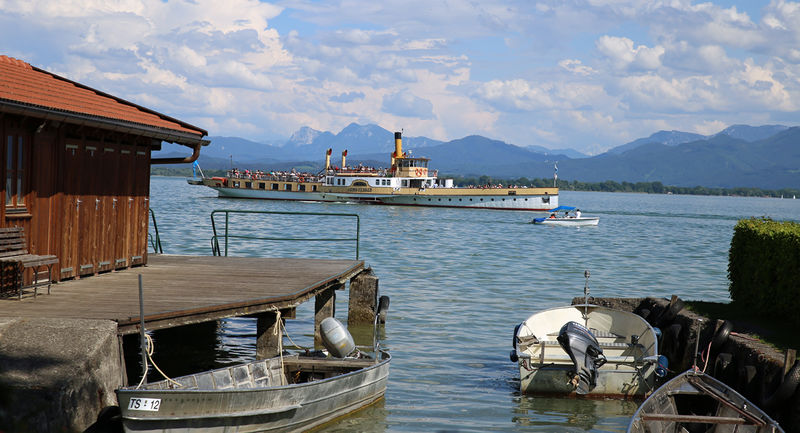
(671, 343)
(721, 336)
(383, 309)
(721, 365)
(514, 337)
(744, 381)
(785, 389)
(670, 313)
(654, 314)
(513, 356)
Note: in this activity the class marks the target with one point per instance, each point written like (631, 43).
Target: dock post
(268, 335)
(363, 301)
(324, 307)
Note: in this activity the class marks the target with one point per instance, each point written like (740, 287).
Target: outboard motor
(585, 353)
(335, 337)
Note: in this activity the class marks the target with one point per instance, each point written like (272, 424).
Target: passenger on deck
(577, 213)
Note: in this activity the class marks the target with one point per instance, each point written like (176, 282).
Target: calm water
(460, 279)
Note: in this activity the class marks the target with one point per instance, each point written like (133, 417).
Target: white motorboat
(694, 401)
(566, 220)
(587, 349)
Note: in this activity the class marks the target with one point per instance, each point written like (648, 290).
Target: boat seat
(597, 334)
(565, 359)
(603, 345)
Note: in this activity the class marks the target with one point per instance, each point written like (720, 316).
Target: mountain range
(766, 157)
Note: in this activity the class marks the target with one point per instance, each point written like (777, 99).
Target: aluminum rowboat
(286, 394)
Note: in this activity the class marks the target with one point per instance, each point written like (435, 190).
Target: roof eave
(164, 134)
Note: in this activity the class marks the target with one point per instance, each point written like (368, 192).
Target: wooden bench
(14, 259)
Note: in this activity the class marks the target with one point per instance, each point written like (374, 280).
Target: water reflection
(578, 414)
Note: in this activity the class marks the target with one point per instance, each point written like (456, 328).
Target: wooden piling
(324, 307)
(363, 301)
(268, 335)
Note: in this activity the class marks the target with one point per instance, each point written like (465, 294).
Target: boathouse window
(288, 187)
(274, 186)
(16, 175)
(248, 185)
(301, 187)
(405, 182)
(313, 188)
(262, 185)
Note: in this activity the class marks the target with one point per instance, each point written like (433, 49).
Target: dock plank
(180, 290)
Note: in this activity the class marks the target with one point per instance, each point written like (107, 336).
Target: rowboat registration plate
(151, 404)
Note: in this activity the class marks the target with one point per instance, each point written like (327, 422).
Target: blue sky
(581, 74)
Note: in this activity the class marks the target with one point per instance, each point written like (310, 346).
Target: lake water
(461, 279)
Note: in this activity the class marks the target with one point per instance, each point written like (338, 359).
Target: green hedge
(764, 267)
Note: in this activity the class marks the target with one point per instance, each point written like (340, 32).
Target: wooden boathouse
(76, 163)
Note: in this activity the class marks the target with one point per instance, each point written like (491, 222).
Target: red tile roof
(24, 84)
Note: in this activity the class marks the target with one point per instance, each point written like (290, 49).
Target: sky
(582, 74)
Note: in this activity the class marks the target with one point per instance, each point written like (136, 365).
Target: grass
(774, 331)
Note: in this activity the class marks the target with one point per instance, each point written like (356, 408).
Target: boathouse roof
(28, 90)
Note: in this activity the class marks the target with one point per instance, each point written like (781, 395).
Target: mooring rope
(150, 349)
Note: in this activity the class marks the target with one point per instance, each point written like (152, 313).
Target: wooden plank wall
(88, 196)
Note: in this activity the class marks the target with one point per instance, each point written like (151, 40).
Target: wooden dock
(182, 290)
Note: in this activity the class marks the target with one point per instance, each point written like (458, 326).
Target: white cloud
(622, 53)
(575, 66)
(405, 104)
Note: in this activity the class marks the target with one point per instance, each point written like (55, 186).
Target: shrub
(764, 267)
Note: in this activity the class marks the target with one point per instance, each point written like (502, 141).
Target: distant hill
(669, 138)
(752, 133)
(720, 161)
(674, 138)
(766, 157)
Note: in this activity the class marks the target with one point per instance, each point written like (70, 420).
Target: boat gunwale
(387, 357)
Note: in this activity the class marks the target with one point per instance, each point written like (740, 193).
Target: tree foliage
(613, 186)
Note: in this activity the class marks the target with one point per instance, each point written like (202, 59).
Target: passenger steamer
(407, 181)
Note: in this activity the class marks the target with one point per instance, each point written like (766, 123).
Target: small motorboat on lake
(694, 401)
(586, 349)
(285, 394)
(194, 180)
(565, 220)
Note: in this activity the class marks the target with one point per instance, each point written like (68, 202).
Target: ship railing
(154, 238)
(226, 229)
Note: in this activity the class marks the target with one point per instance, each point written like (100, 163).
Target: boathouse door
(71, 200)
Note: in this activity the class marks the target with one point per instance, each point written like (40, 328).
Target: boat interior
(288, 370)
(698, 406)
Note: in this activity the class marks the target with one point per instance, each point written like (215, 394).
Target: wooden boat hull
(256, 397)
(700, 400)
(545, 368)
